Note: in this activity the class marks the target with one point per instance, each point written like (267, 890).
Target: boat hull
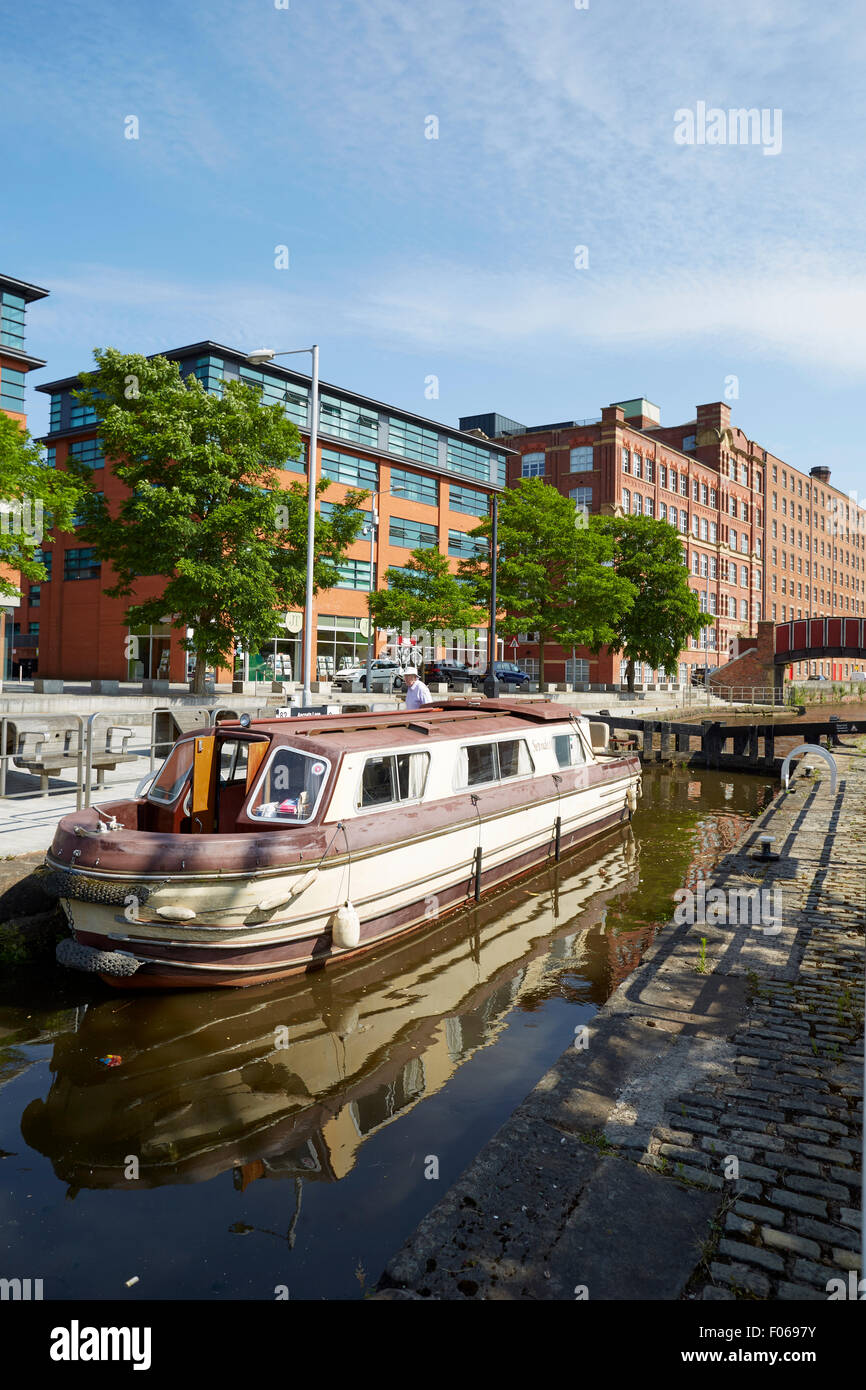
(396, 888)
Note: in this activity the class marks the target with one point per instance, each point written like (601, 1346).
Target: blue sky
(409, 257)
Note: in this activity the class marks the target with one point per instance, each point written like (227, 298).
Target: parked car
(507, 673)
(699, 675)
(385, 676)
(448, 673)
(816, 678)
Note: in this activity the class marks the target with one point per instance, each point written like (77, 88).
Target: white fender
(346, 928)
(175, 914)
(287, 892)
(631, 798)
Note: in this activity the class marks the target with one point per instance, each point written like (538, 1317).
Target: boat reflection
(289, 1079)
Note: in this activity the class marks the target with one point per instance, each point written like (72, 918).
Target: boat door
(203, 791)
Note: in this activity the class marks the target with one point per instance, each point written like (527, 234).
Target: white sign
(293, 622)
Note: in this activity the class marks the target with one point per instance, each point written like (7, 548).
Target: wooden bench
(623, 742)
(49, 751)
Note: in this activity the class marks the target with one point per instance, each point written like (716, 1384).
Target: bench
(49, 751)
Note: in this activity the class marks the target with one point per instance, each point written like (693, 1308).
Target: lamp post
(491, 684)
(374, 527)
(258, 358)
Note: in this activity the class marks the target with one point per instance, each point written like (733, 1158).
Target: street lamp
(491, 684)
(374, 530)
(258, 358)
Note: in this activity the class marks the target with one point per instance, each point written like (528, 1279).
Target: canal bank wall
(702, 1138)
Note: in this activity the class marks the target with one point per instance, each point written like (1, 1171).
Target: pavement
(702, 1139)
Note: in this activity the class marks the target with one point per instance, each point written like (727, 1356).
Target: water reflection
(288, 1080)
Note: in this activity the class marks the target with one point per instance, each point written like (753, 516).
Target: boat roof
(439, 722)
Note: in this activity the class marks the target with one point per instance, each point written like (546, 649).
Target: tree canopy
(427, 596)
(33, 498)
(665, 612)
(204, 507)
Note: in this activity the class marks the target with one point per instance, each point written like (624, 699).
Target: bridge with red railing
(817, 639)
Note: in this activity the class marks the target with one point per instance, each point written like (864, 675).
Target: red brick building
(761, 539)
(19, 635)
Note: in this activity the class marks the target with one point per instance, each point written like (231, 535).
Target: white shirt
(418, 695)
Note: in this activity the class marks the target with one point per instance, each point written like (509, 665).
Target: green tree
(665, 612)
(33, 498)
(425, 595)
(204, 509)
(554, 574)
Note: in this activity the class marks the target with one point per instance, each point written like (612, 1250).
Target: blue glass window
(348, 421)
(464, 546)
(293, 397)
(345, 468)
(44, 557)
(12, 390)
(81, 563)
(12, 308)
(89, 451)
(413, 441)
(414, 487)
(475, 462)
(412, 534)
(468, 499)
(354, 574)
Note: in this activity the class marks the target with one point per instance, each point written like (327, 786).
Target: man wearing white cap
(417, 693)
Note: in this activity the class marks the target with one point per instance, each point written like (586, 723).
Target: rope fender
(77, 956)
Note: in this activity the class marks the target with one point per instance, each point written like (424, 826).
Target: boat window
(393, 777)
(569, 750)
(233, 762)
(377, 783)
(290, 787)
(514, 760)
(478, 763)
(173, 775)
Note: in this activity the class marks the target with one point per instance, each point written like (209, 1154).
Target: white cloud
(788, 309)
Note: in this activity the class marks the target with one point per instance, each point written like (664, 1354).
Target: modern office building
(18, 636)
(430, 482)
(760, 539)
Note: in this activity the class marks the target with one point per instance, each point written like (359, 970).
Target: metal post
(491, 686)
(3, 727)
(558, 840)
(79, 791)
(478, 874)
(312, 472)
(373, 522)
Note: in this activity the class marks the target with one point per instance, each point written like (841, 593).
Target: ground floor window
(148, 652)
(278, 659)
(577, 671)
(340, 643)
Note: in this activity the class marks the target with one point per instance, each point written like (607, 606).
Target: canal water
(222, 1145)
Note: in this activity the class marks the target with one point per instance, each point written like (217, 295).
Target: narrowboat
(262, 848)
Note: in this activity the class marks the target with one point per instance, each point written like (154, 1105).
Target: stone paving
(704, 1140)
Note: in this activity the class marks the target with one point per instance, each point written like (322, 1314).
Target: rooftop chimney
(821, 473)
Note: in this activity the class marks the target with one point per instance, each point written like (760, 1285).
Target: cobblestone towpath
(703, 1138)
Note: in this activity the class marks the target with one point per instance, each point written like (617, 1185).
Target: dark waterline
(290, 1135)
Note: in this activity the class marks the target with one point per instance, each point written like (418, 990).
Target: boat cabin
(276, 774)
